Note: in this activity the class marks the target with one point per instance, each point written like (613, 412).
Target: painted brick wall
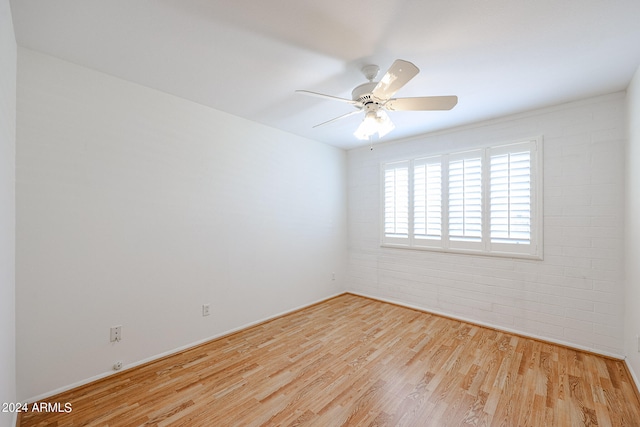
(573, 296)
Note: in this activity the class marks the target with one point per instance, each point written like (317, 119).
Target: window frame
(532, 250)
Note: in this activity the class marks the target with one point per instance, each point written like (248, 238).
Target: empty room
(399, 213)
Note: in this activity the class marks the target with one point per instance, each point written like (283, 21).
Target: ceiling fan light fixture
(374, 122)
(385, 125)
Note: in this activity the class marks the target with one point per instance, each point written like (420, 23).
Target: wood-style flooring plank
(353, 361)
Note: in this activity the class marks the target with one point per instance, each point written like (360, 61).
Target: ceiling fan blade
(423, 103)
(322, 95)
(338, 118)
(396, 76)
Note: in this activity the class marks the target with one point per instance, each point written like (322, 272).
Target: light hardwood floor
(359, 362)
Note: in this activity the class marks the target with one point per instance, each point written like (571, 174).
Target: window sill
(457, 251)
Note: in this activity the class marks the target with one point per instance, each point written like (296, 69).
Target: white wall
(135, 207)
(632, 232)
(575, 295)
(7, 210)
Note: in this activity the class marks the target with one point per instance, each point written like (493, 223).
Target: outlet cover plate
(116, 333)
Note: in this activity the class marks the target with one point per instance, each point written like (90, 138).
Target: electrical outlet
(638, 339)
(116, 333)
(205, 309)
(117, 366)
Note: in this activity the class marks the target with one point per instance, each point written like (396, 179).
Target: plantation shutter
(396, 201)
(484, 201)
(510, 196)
(465, 197)
(427, 198)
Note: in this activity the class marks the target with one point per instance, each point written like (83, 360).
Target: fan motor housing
(362, 93)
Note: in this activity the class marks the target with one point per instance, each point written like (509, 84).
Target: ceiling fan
(373, 98)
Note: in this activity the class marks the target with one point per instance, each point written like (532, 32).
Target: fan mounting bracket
(370, 71)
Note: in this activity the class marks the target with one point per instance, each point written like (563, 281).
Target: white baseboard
(173, 351)
(489, 325)
(632, 373)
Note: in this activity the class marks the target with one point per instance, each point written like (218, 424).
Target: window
(482, 201)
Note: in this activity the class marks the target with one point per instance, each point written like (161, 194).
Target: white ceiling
(246, 57)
